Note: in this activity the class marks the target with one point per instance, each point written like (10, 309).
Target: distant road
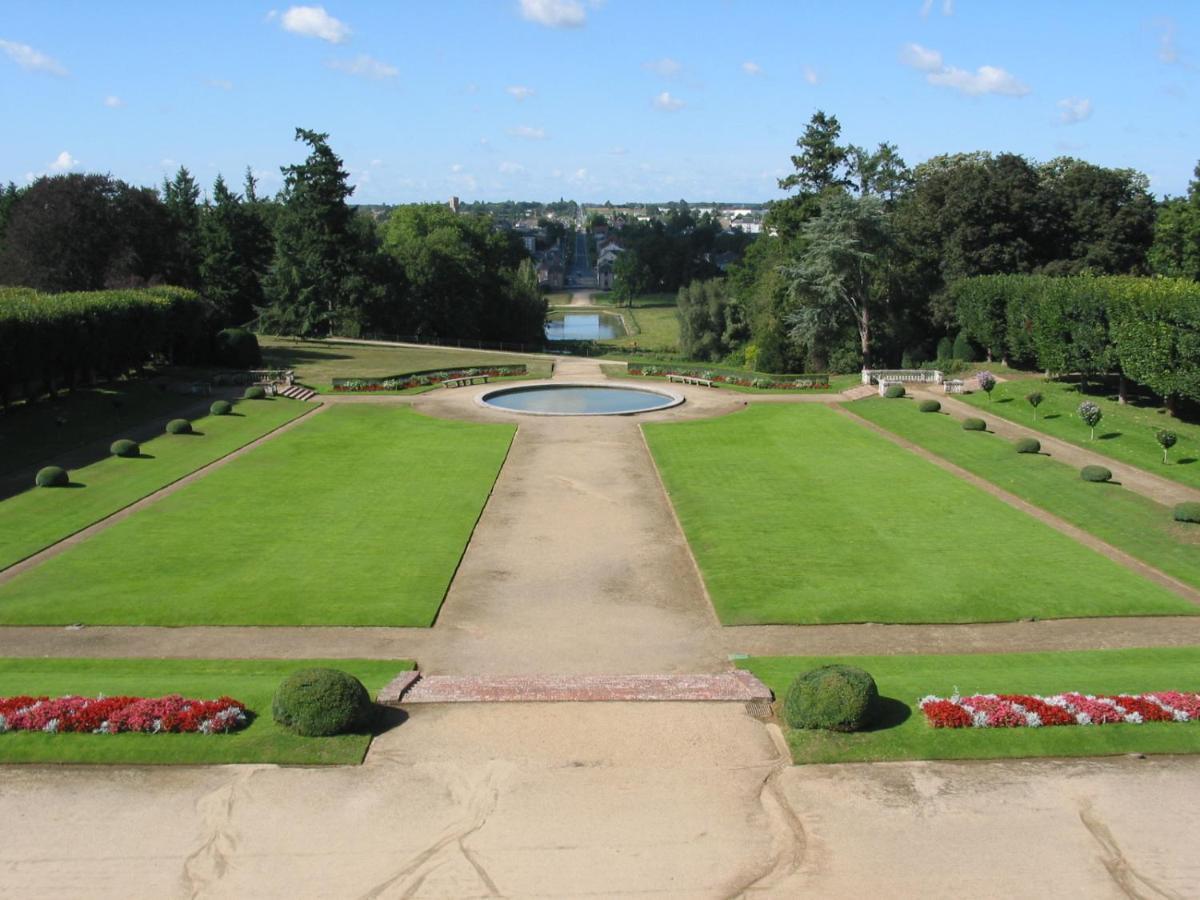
(581, 270)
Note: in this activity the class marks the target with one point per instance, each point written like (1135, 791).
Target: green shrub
(1095, 474)
(1187, 512)
(894, 391)
(1028, 445)
(973, 424)
(125, 447)
(179, 426)
(221, 408)
(238, 349)
(255, 392)
(52, 476)
(963, 348)
(319, 702)
(929, 406)
(945, 348)
(833, 698)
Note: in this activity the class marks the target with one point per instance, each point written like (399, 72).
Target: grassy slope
(1126, 433)
(37, 518)
(357, 517)
(903, 733)
(251, 681)
(800, 516)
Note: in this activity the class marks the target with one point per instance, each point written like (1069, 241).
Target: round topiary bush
(255, 392)
(319, 702)
(238, 349)
(974, 424)
(221, 408)
(929, 406)
(1028, 445)
(179, 426)
(833, 698)
(894, 391)
(125, 447)
(1095, 473)
(52, 476)
(1187, 512)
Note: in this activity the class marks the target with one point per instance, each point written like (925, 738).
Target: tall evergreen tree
(232, 260)
(181, 197)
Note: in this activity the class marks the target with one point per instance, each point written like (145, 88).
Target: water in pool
(583, 327)
(580, 400)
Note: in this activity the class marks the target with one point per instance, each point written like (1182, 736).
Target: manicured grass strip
(904, 680)
(799, 515)
(1133, 523)
(359, 516)
(253, 681)
(1126, 433)
(34, 520)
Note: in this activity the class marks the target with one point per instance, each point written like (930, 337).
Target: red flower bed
(1026, 710)
(112, 715)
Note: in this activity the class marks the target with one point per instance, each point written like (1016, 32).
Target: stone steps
(413, 687)
(297, 392)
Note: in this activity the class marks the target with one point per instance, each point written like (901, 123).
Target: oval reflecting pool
(584, 327)
(579, 400)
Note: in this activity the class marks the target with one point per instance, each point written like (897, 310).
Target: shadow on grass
(892, 713)
(1005, 400)
(141, 455)
(386, 718)
(284, 356)
(72, 484)
(1186, 461)
(1109, 436)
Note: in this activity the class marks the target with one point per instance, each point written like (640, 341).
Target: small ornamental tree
(1034, 399)
(987, 383)
(1166, 440)
(1091, 414)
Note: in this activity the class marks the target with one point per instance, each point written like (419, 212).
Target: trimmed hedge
(973, 424)
(894, 391)
(1187, 512)
(322, 702)
(52, 476)
(1096, 474)
(1028, 445)
(255, 392)
(179, 426)
(125, 447)
(930, 406)
(238, 349)
(832, 698)
(221, 408)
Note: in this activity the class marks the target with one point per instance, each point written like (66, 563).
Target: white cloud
(667, 103)
(456, 168)
(313, 21)
(221, 84)
(528, 133)
(32, 60)
(811, 76)
(113, 102)
(63, 162)
(554, 13)
(1074, 109)
(520, 92)
(947, 8)
(364, 66)
(666, 67)
(578, 176)
(511, 168)
(751, 68)
(984, 80)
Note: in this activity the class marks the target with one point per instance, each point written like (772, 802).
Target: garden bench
(465, 380)
(689, 379)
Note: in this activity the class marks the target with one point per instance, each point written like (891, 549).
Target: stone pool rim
(673, 399)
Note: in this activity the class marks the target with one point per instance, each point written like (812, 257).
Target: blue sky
(589, 99)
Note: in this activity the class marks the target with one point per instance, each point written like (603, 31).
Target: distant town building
(453, 204)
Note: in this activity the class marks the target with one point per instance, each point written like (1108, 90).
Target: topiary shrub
(929, 406)
(320, 702)
(179, 426)
(894, 391)
(1028, 445)
(963, 348)
(238, 349)
(125, 447)
(1096, 474)
(1187, 512)
(973, 424)
(833, 698)
(255, 392)
(52, 476)
(221, 408)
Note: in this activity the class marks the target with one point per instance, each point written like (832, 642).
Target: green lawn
(1126, 433)
(317, 363)
(39, 517)
(798, 515)
(902, 732)
(837, 383)
(253, 682)
(357, 517)
(1133, 523)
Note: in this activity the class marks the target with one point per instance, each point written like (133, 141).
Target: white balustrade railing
(913, 376)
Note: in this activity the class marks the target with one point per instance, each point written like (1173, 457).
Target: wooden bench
(465, 380)
(689, 379)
